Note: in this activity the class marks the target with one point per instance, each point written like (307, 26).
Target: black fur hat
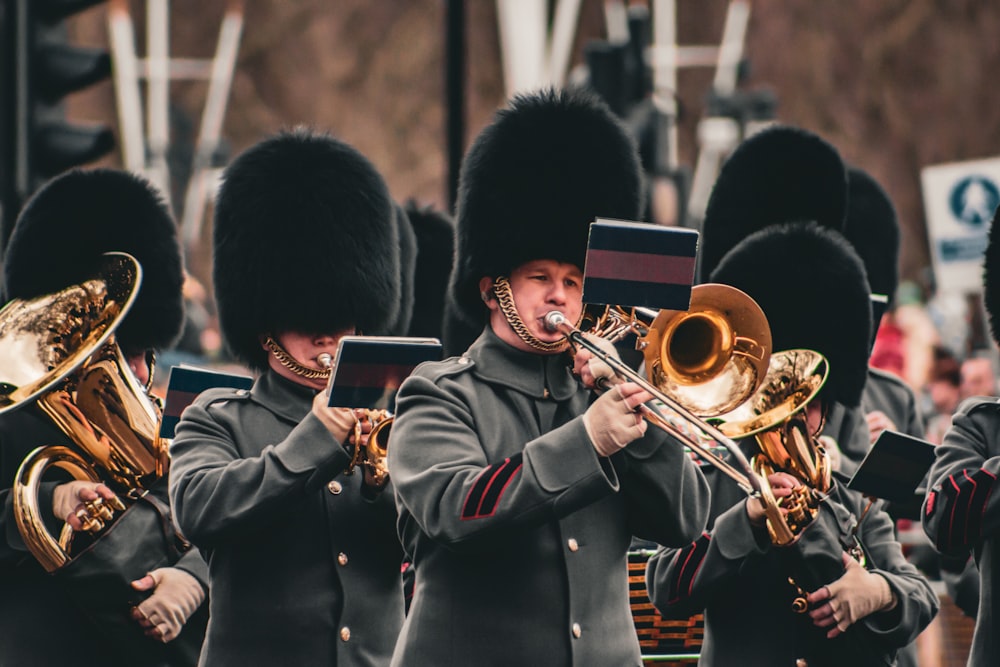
(873, 230)
(532, 183)
(407, 271)
(781, 174)
(305, 240)
(435, 233)
(991, 277)
(65, 228)
(811, 285)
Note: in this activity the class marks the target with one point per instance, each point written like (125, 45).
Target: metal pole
(454, 107)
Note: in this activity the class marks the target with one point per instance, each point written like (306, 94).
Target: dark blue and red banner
(639, 264)
(183, 386)
(369, 369)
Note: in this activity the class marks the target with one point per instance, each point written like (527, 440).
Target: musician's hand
(857, 594)
(176, 595)
(364, 428)
(76, 502)
(781, 486)
(338, 421)
(612, 422)
(833, 452)
(878, 421)
(590, 368)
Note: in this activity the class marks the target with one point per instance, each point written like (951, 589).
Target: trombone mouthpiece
(553, 320)
(325, 359)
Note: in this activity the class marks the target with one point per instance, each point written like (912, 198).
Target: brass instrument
(776, 417)
(711, 359)
(373, 455)
(58, 354)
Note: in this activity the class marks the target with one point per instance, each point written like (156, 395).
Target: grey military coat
(40, 624)
(518, 530)
(303, 569)
(740, 580)
(962, 510)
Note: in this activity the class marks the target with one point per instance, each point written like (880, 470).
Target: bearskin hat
(532, 183)
(305, 240)
(991, 277)
(435, 234)
(811, 285)
(66, 227)
(407, 270)
(872, 228)
(781, 174)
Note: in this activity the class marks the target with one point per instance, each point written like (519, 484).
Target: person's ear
(486, 292)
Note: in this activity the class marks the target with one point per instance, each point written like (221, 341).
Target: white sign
(959, 201)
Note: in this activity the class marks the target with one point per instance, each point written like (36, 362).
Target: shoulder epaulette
(217, 394)
(450, 366)
(888, 377)
(975, 403)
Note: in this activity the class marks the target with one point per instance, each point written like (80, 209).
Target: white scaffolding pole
(201, 186)
(144, 148)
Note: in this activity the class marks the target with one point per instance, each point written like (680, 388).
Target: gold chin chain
(501, 289)
(289, 362)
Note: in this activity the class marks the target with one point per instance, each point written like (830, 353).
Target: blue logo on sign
(974, 199)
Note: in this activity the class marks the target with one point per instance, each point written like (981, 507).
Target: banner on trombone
(639, 265)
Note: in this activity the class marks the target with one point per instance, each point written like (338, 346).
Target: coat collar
(529, 373)
(282, 396)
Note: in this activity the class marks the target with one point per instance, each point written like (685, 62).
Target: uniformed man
(304, 560)
(806, 279)
(435, 233)
(962, 506)
(888, 403)
(517, 492)
(873, 230)
(58, 241)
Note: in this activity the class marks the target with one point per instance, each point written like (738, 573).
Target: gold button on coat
(342, 558)
(577, 630)
(572, 544)
(345, 633)
(335, 487)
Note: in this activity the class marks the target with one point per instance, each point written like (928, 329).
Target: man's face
(305, 349)
(539, 287)
(977, 377)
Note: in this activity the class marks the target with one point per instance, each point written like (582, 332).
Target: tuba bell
(58, 355)
(775, 416)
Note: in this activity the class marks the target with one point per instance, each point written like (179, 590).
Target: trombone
(689, 349)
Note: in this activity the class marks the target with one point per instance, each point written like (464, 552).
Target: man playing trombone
(518, 493)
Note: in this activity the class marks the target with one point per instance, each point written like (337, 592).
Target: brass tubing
(747, 480)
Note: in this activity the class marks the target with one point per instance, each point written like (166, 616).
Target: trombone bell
(713, 356)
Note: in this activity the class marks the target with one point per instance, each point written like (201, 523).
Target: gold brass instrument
(372, 456)
(776, 417)
(58, 354)
(711, 358)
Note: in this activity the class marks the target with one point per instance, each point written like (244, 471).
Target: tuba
(372, 456)
(775, 416)
(58, 355)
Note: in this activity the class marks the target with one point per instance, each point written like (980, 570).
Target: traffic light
(40, 70)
